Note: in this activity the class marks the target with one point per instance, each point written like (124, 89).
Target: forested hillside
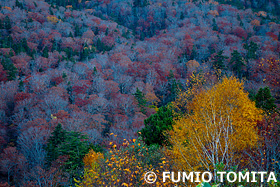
(84, 81)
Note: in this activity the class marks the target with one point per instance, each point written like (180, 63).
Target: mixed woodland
(98, 92)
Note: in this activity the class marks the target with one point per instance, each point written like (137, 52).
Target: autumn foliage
(93, 68)
(220, 125)
(124, 166)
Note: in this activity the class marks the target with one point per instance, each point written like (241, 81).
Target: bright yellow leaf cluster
(195, 84)
(92, 157)
(125, 166)
(52, 18)
(220, 123)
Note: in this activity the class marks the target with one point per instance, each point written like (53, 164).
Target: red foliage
(112, 88)
(238, 31)
(20, 96)
(188, 43)
(103, 27)
(37, 17)
(67, 14)
(81, 102)
(3, 74)
(108, 41)
(21, 63)
(57, 80)
(272, 35)
(5, 185)
(12, 162)
(231, 40)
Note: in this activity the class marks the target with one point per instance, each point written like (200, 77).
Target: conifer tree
(106, 32)
(264, 99)
(10, 68)
(173, 87)
(99, 45)
(251, 50)
(71, 144)
(7, 23)
(140, 3)
(182, 16)
(142, 102)
(20, 86)
(215, 26)
(218, 61)
(156, 125)
(45, 53)
(237, 63)
(76, 148)
(57, 137)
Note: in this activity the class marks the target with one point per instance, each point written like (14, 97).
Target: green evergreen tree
(173, 87)
(70, 144)
(142, 102)
(156, 125)
(218, 61)
(20, 86)
(11, 54)
(64, 75)
(237, 63)
(142, 36)
(77, 31)
(140, 3)
(55, 140)
(50, 10)
(96, 32)
(182, 16)
(45, 53)
(18, 4)
(71, 35)
(251, 50)
(94, 71)
(22, 47)
(241, 23)
(193, 54)
(240, 20)
(1, 24)
(10, 68)
(7, 23)
(106, 32)
(215, 26)
(99, 45)
(76, 148)
(238, 17)
(264, 99)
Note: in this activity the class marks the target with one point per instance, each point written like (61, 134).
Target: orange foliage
(7, 8)
(262, 13)
(213, 13)
(92, 157)
(255, 22)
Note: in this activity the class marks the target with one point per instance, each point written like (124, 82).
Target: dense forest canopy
(78, 77)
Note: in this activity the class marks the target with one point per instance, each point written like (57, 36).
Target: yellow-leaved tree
(124, 166)
(220, 123)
